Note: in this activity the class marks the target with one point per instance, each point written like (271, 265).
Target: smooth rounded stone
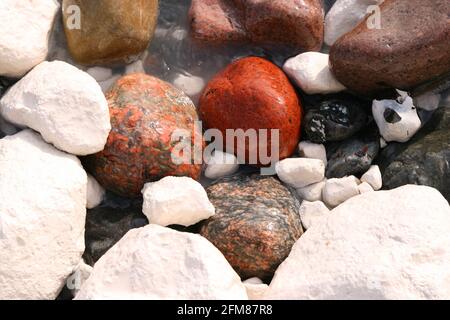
(313, 192)
(373, 177)
(312, 212)
(256, 289)
(364, 187)
(253, 94)
(42, 217)
(311, 72)
(100, 74)
(344, 16)
(300, 172)
(26, 26)
(189, 84)
(176, 200)
(146, 114)
(410, 48)
(397, 121)
(337, 191)
(427, 101)
(108, 223)
(335, 119)
(95, 193)
(108, 31)
(353, 156)
(255, 224)
(64, 104)
(424, 160)
(379, 245)
(297, 24)
(154, 262)
(307, 149)
(221, 164)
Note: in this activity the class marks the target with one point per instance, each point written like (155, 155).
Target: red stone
(145, 111)
(253, 93)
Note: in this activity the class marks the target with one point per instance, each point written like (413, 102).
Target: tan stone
(111, 31)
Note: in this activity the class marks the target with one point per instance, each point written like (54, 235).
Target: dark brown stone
(294, 23)
(411, 48)
(255, 225)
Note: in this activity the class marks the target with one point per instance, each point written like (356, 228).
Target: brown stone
(294, 23)
(255, 225)
(145, 113)
(411, 48)
(253, 93)
(112, 31)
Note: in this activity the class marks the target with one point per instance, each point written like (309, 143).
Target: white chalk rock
(345, 15)
(154, 262)
(310, 71)
(221, 164)
(365, 187)
(311, 150)
(42, 217)
(24, 36)
(64, 104)
(300, 172)
(337, 191)
(95, 193)
(312, 212)
(312, 192)
(189, 84)
(397, 121)
(176, 200)
(76, 280)
(373, 177)
(380, 245)
(256, 289)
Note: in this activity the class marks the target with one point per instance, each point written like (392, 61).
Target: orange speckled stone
(253, 93)
(145, 111)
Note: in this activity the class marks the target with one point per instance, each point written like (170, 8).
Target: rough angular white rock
(300, 172)
(76, 280)
(95, 193)
(397, 121)
(191, 85)
(312, 212)
(337, 191)
(221, 164)
(311, 72)
(256, 289)
(380, 245)
(373, 177)
(311, 150)
(365, 187)
(154, 262)
(24, 36)
(345, 15)
(64, 104)
(176, 200)
(312, 192)
(42, 217)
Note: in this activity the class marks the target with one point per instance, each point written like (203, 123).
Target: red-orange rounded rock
(145, 112)
(253, 93)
